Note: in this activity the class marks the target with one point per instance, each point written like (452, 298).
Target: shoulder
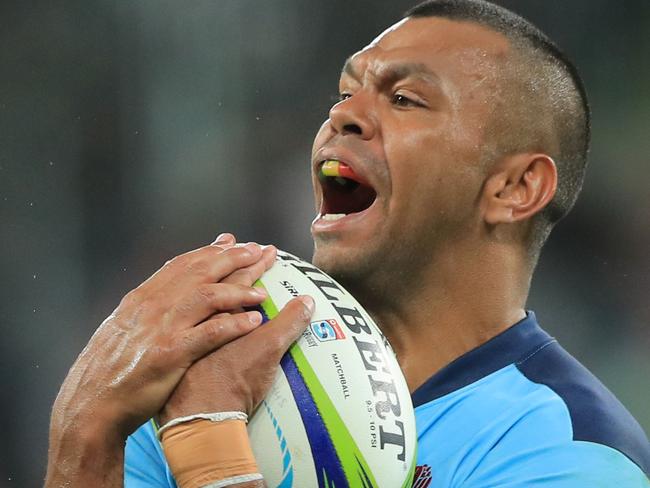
(596, 415)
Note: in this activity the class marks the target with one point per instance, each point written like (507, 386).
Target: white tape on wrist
(233, 480)
(212, 417)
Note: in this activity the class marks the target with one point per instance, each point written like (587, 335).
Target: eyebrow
(397, 71)
(348, 69)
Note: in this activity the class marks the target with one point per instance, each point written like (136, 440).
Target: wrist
(85, 454)
(202, 452)
(180, 408)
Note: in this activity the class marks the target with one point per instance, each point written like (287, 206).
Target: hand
(141, 351)
(238, 375)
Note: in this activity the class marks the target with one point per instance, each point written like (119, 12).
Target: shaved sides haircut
(543, 104)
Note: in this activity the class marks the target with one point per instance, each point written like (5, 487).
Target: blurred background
(131, 131)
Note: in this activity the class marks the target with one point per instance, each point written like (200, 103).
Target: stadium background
(131, 131)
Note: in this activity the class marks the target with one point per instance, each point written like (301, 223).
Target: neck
(461, 301)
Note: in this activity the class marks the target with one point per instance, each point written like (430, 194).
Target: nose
(353, 116)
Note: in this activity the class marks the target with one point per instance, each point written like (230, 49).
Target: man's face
(411, 124)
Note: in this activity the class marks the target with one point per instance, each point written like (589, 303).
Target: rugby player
(466, 132)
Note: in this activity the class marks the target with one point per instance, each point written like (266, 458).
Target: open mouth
(344, 192)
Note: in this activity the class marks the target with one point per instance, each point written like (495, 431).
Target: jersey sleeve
(575, 464)
(532, 443)
(144, 462)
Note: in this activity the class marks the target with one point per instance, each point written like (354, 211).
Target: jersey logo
(422, 476)
(327, 330)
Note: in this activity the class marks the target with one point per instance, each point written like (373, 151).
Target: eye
(344, 96)
(404, 101)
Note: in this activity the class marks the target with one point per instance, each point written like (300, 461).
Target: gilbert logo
(327, 330)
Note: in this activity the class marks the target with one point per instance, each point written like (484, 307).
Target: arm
(138, 355)
(85, 456)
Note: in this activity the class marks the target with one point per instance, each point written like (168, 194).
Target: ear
(520, 187)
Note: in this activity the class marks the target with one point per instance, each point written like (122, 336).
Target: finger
(247, 276)
(217, 331)
(212, 263)
(218, 315)
(172, 269)
(207, 299)
(269, 254)
(279, 333)
(233, 259)
(223, 241)
(174, 288)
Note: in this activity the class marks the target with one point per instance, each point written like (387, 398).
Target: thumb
(288, 325)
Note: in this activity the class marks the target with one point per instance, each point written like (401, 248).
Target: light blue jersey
(520, 411)
(517, 411)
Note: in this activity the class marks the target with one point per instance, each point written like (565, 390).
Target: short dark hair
(554, 83)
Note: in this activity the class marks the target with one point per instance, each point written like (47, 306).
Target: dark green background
(133, 130)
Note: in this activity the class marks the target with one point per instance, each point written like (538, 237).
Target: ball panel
(349, 456)
(274, 461)
(350, 393)
(337, 459)
(279, 440)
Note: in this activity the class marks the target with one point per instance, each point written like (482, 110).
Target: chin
(376, 272)
(333, 260)
(352, 267)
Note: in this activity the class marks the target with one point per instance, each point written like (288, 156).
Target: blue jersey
(517, 411)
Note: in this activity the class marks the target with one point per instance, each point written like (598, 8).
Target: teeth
(333, 216)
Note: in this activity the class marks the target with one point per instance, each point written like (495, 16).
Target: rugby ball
(339, 413)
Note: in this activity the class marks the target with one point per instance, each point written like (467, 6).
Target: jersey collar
(511, 346)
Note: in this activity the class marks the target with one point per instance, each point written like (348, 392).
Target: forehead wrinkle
(401, 70)
(392, 71)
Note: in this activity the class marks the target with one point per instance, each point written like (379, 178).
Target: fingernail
(252, 247)
(254, 318)
(258, 292)
(270, 252)
(308, 302)
(223, 237)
